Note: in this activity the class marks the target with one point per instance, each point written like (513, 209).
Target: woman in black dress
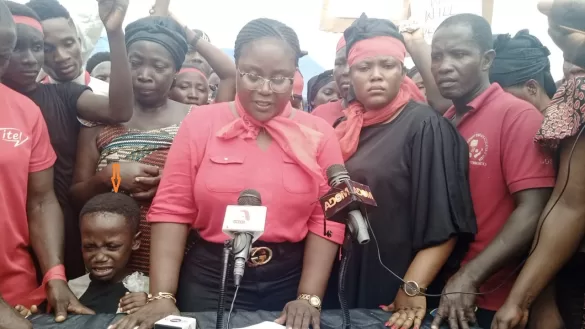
(416, 164)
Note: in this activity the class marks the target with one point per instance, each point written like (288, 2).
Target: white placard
(432, 13)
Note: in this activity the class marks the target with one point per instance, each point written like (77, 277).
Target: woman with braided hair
(258, 142)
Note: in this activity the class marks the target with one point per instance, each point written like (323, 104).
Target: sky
(222, 19)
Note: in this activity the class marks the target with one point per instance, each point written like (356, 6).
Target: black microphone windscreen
(249, 198)
(335, 170)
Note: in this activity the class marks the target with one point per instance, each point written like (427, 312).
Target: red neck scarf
(299, 142)
(348, 131)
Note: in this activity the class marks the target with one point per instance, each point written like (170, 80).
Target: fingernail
(387, 324)
(137, 179)
(394, 327)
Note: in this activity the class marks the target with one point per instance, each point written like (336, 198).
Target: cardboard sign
(338, 15)
(431, 13)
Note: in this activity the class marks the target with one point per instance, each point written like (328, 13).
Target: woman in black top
(321, 89)
(62, 104)
(416, 164)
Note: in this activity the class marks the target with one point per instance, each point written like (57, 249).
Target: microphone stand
(347, 250)
(227, 250)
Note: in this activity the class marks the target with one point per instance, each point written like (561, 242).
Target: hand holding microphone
(346, 201)
(244, 223)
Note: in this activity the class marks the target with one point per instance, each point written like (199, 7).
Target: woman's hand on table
(147, 315)
(299, 314)
(63, 301)
(132, 302)
(409, 312)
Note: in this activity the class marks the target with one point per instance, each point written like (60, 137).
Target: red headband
(28, 21)
(298, 84)
(378, 46)
(191, 69)
(340, 44)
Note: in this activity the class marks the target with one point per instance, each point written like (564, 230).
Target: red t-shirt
(25, 148)
(503, 160)
(329, 111)
(203, 174)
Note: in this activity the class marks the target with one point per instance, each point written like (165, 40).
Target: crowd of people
(472, 156)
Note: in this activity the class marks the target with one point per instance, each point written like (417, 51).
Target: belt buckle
(259, 256)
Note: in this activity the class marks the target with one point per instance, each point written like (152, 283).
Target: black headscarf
(520, 59)
(315, 84)
(366, 28)
(162, 30)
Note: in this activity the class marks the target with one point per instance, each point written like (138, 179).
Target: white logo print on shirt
(13, 135)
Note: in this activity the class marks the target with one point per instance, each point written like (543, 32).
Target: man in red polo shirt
(30, 216)
(511, 179)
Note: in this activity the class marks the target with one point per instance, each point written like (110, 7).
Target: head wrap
(28, 21)
(162, 30)
(316, 83)
(368, 37)
(412, 72)
(564, 117)
(520, 59)
(299, 83)
(192, 70)
(340, 44)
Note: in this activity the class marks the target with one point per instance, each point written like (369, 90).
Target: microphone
(244, 223)
(346, 201)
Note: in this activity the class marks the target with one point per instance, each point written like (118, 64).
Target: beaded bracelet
(161, 295)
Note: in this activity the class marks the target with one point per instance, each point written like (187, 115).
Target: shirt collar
(480, 101)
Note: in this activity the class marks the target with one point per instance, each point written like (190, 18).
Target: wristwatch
(313, 300)
(412, 289)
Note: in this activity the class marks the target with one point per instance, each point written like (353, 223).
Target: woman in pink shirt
(257, 142)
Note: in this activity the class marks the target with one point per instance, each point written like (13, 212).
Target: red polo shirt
(24, 148)
(329, 111)
(503, 160)
(204, 173)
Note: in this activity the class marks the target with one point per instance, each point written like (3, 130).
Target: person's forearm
(46, 229)
(99, 183)
(317, 263)
(121, 93)
(166, 256)
(420, 52)
(428, 262)
(511, 243)
(559, 239)
(219, 61)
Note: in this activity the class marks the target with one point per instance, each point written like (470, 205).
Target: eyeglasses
(255, 82)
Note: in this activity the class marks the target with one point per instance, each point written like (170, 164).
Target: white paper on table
(265, 325)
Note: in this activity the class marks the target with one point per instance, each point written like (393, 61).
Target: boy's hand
(133, 301)
(25, 312)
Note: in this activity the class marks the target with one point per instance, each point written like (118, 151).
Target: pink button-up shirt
(204, 173)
